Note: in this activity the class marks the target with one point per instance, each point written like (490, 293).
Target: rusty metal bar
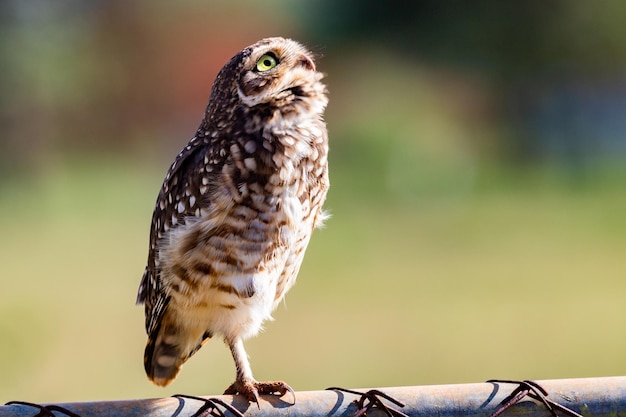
(591, 397)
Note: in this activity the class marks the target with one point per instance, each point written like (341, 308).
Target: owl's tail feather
(168, 348)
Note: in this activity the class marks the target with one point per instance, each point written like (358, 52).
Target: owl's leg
(245, 384)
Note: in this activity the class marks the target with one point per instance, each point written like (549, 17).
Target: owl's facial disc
(277, 71)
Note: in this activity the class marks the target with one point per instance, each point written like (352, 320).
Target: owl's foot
(251, 389)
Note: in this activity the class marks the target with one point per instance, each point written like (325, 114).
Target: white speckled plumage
(236, 211)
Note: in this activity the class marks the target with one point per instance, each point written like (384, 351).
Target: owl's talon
(291, 391)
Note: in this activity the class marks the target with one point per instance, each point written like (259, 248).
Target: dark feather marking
(191, 241)
(203, 268)
(181, 272)
(225, 288)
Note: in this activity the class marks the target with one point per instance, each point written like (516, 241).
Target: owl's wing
(181, 196)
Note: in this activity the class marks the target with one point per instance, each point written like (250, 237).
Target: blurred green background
(478, 173)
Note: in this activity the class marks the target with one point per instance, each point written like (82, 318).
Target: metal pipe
(591, 397)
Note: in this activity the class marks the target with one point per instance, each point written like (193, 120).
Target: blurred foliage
(546, 77)
(507, 39)
(553, 69)
(478, 190)
(522, 279)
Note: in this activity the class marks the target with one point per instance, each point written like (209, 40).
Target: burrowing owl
(236, 211)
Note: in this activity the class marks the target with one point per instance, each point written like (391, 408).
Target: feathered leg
(245, 384)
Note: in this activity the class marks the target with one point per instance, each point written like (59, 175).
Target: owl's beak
(306, 62)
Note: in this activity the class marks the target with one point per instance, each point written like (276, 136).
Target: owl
(236, 211)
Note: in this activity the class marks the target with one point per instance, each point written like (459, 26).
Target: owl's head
(276, 73)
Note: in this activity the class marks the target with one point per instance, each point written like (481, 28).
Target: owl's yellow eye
(266, 63)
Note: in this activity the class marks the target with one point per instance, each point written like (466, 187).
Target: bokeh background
(478, 173)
